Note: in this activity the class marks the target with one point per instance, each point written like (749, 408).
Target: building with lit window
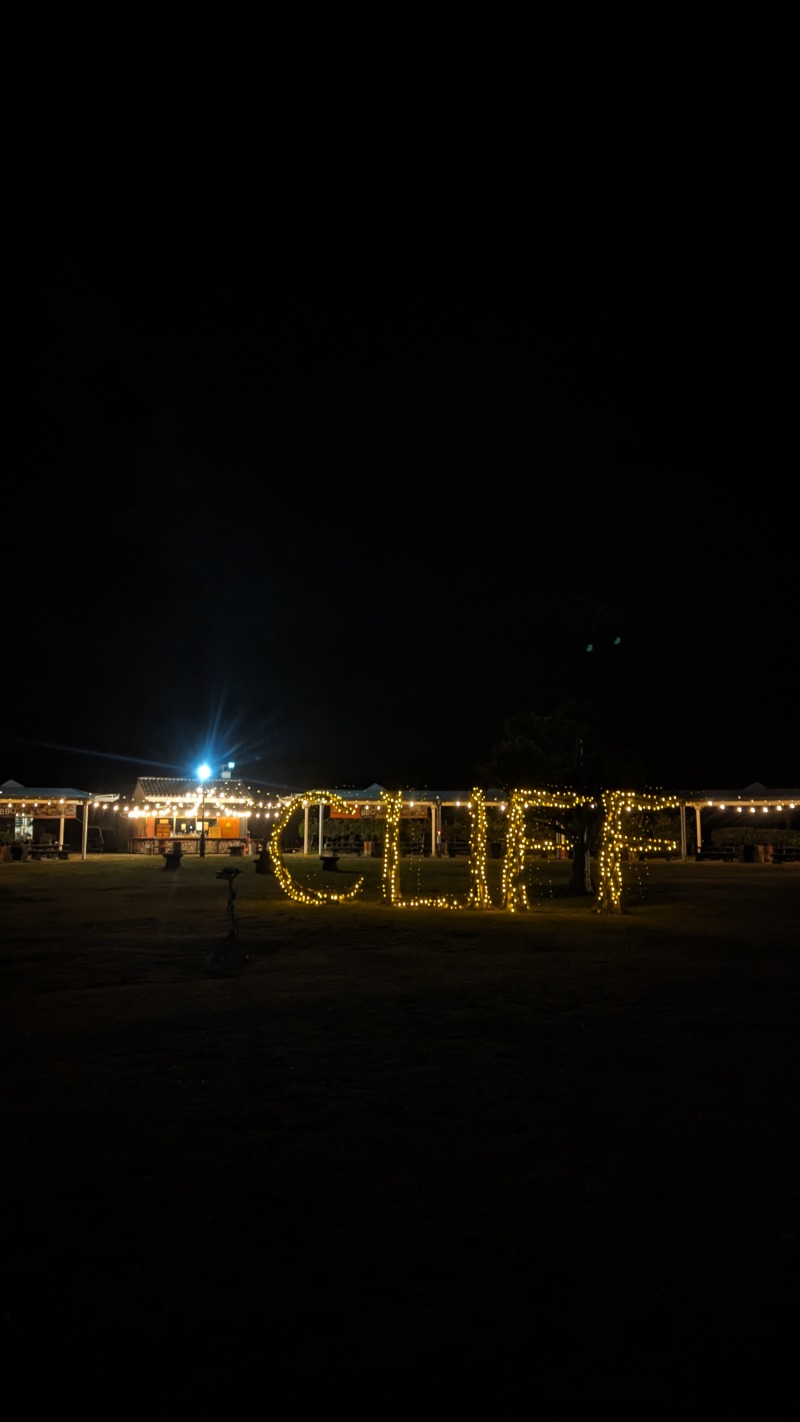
(219, 813)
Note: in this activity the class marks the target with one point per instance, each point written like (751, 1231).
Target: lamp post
(203, 772)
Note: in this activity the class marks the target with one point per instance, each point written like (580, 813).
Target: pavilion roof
(160, 788)
(12, 790)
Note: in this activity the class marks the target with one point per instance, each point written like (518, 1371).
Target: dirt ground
(391, 1161)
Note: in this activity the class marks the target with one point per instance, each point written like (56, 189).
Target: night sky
(355, 393)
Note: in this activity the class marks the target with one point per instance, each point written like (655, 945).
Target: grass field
(392, 1162)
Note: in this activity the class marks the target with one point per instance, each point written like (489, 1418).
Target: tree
(565, 747)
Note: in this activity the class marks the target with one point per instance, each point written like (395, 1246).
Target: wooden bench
(728, 855)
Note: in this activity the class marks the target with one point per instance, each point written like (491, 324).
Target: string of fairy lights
(622, 836)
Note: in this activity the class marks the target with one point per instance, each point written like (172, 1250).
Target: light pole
(203, 772)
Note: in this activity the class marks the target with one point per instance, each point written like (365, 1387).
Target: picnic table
(38, 850)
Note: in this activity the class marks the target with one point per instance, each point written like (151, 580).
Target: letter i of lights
(617, 804)
(393, 804)
(478, 896)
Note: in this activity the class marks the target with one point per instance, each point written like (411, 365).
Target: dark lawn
(399, 1162)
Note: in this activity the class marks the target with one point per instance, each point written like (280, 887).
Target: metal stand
(228, 954)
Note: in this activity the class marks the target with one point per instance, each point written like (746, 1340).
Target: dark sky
(355, 393)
